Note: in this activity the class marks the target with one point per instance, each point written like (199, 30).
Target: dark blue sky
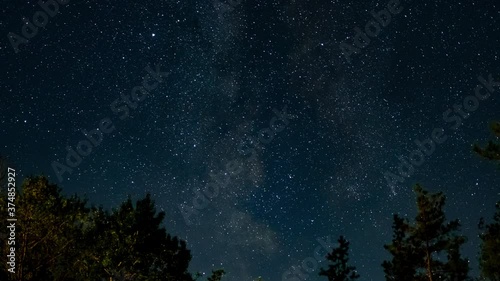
(231, 69)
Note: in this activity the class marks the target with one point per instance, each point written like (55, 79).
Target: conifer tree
(47, 235)
(418, 250)
(402, 265)
(59, 238)
(339, 268)
(489, 257)
(130, 244)
(492, 150)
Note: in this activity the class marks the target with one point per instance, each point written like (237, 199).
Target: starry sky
(266, 86)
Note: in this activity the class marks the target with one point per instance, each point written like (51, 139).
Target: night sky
(264, 97)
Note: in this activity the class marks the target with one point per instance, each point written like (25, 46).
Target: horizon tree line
(62, 238)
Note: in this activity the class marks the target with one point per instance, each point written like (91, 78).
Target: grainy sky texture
(273, 87)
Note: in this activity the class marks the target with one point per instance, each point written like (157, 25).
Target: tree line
(428, 248)
(60, 237)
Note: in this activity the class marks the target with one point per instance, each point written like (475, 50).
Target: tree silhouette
(403, 265)
(130, 244)
(339, 269)
(216, 275)
(492, 150)
(417, 249)
(59, 238)
(489, 257)
(46, 233)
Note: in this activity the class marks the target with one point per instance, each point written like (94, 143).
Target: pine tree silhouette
(339, 269)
